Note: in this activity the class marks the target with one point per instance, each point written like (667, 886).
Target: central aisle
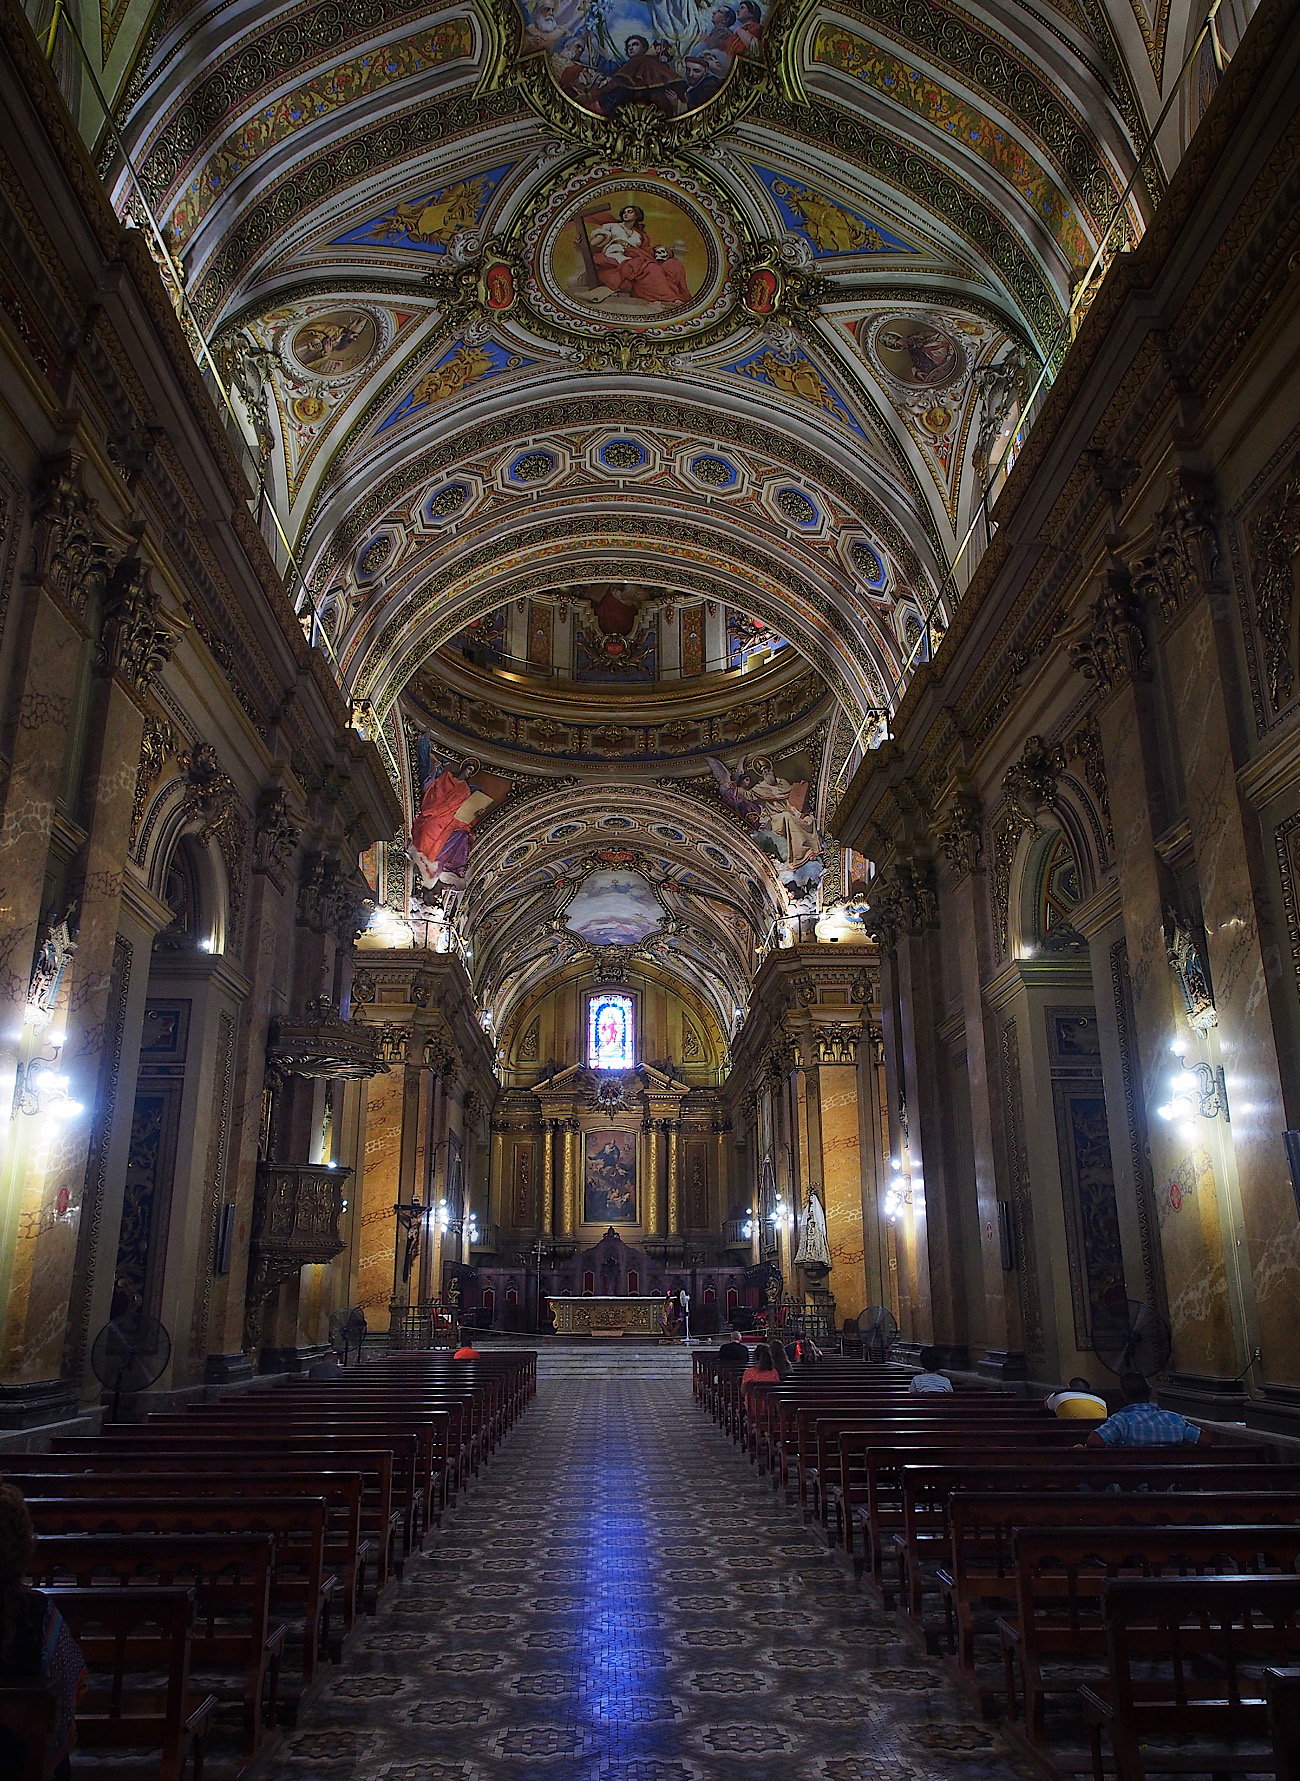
(621, 1599)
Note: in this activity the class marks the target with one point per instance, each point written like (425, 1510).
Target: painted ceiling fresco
(615, 348)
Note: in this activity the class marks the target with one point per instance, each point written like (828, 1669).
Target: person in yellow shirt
(1078, 1400)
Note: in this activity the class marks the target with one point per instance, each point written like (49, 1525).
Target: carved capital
(962, 835)
(333, 896)
(1110, 646)
(134, 643)
(837, 1044)
(1184, 556)
(69, 560)
(904, 900)
(275, 833)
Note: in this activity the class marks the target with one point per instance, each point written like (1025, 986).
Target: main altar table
(606, 1314)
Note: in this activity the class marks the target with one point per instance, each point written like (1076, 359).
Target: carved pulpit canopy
(320, 1044)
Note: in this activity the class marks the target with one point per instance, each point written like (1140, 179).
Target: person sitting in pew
(733, 1352)
(34, 1638)
(780, 1358)
(467, 1350)
(1143, 1424)
(762, 1372)
(1078, 1399)
(929, 1378)
(329, 1366)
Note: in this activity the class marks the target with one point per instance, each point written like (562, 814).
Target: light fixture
(444, 1216)
(40, 1088)
(1196, 1088)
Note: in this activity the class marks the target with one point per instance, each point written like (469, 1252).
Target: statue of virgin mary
(814, 1250)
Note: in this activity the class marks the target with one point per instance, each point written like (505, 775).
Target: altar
(606, 1314)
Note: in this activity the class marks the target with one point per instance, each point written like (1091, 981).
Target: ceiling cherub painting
(673, 54)
(778, 809)
(453, 795)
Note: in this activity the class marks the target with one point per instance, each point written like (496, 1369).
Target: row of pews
(1126, 1611)
(211, 1562)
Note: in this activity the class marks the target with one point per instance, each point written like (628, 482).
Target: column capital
(1184, 555)
(134, 644)
(1110, 647)
(961, 837)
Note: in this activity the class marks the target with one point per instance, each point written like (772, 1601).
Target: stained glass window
(610, 1032)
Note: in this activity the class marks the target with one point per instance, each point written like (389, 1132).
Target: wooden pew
(1185, 1657)
(296, 1526)
(873, 1496)
(1282, 1688)
(231, 1579)
(869, 1495)
(239, 1455)
(347, 1553)
(1060, 1572)
(817, 1450)
(987, 1517)
(985, 1524)
(429, 1430)
(28, 1713)
(128, 1637)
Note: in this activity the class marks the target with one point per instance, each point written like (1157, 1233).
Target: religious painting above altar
(609, 1177)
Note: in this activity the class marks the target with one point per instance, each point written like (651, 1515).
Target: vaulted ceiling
(466, 396)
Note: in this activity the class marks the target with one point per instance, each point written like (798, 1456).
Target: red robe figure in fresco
(443, 828)
(626, 260)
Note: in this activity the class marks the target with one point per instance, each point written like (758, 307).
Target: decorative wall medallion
(914, 353)
(336, 344)
(649, 252)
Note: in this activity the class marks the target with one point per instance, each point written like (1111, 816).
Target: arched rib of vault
(845, 642)
(902, 522)
(875, 476)
(1032, 85)
(724, 916)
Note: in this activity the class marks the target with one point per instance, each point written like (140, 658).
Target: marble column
(1251, 989)
(548, 1178)
(72, 564)
(570, 1185)
(649, 1179)
(673, 1129)
(967, 935)
(1112, 652)
(407, 1179)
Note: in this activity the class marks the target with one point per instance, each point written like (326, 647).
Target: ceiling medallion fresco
(625, 267)
(651, 252)
(641, 78)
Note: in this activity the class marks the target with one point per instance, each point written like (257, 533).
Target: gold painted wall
(379, 1192)
(842, 1185)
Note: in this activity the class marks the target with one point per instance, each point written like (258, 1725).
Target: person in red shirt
(467, 1350)
(763, 1371)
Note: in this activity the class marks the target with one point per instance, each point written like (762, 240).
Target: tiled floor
(621, 1600)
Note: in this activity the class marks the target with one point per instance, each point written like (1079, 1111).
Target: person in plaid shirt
(1144, 1424)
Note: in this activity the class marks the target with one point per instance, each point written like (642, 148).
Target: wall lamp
(1196, 1088)
(40, 1088)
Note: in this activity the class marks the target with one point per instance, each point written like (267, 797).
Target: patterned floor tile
(621, 1599)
